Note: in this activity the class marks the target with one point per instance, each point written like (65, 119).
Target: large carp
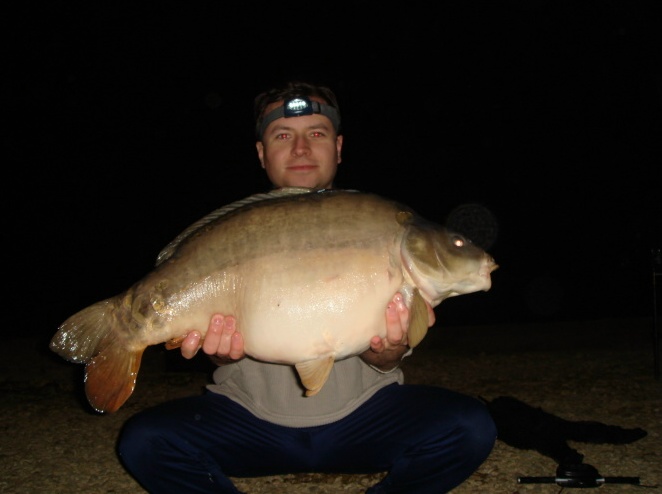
(307, 274)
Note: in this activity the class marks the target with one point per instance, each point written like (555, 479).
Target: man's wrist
(382, 365)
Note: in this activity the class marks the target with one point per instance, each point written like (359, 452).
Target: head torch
(296, 107)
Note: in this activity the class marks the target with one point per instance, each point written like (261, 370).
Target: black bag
(525, 427)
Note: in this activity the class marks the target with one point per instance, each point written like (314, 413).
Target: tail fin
(110, 378)
(80, 337)
(88, 337)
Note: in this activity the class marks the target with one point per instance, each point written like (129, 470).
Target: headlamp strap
(296, 107)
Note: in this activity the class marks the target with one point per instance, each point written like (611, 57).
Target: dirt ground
(52, 442)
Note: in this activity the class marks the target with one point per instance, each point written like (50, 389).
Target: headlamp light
(296, 107)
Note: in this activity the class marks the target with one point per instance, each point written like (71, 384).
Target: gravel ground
(602, 371)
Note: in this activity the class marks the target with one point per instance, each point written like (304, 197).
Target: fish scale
(307, 275)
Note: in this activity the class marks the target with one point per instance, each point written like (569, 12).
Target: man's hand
(223, 343)
(386, 353)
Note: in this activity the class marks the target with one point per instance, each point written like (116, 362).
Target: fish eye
(458, 241)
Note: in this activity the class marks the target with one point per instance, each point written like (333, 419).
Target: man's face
(301, 151)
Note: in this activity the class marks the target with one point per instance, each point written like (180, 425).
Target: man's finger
(190, 345)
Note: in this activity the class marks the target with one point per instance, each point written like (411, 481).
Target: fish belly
(315, 304)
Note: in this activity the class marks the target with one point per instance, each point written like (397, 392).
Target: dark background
(128, 122)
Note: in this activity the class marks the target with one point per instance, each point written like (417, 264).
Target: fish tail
(110, 377)
(81, 337)
(92, 336)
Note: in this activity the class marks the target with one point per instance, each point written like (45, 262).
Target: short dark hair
(287, 91)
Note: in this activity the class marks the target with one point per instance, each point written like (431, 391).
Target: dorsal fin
(169, 249)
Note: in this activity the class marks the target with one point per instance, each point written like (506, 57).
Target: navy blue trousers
(428, 439)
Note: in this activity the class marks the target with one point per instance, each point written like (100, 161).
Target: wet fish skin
(307, 274)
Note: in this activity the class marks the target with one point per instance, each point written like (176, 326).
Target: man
(255, 420)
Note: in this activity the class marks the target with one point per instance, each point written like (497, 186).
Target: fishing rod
(580, 475)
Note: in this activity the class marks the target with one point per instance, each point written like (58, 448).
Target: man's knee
(136, 441)
(479, 430)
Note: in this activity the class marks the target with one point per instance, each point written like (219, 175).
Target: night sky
(130, 121)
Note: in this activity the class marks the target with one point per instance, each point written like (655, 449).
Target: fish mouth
(485, 272)
(489, 266)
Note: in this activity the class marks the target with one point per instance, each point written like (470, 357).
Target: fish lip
(489, 265)
(486, 271)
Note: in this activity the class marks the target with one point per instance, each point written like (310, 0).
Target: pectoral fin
(314, 373)
(418, 320)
